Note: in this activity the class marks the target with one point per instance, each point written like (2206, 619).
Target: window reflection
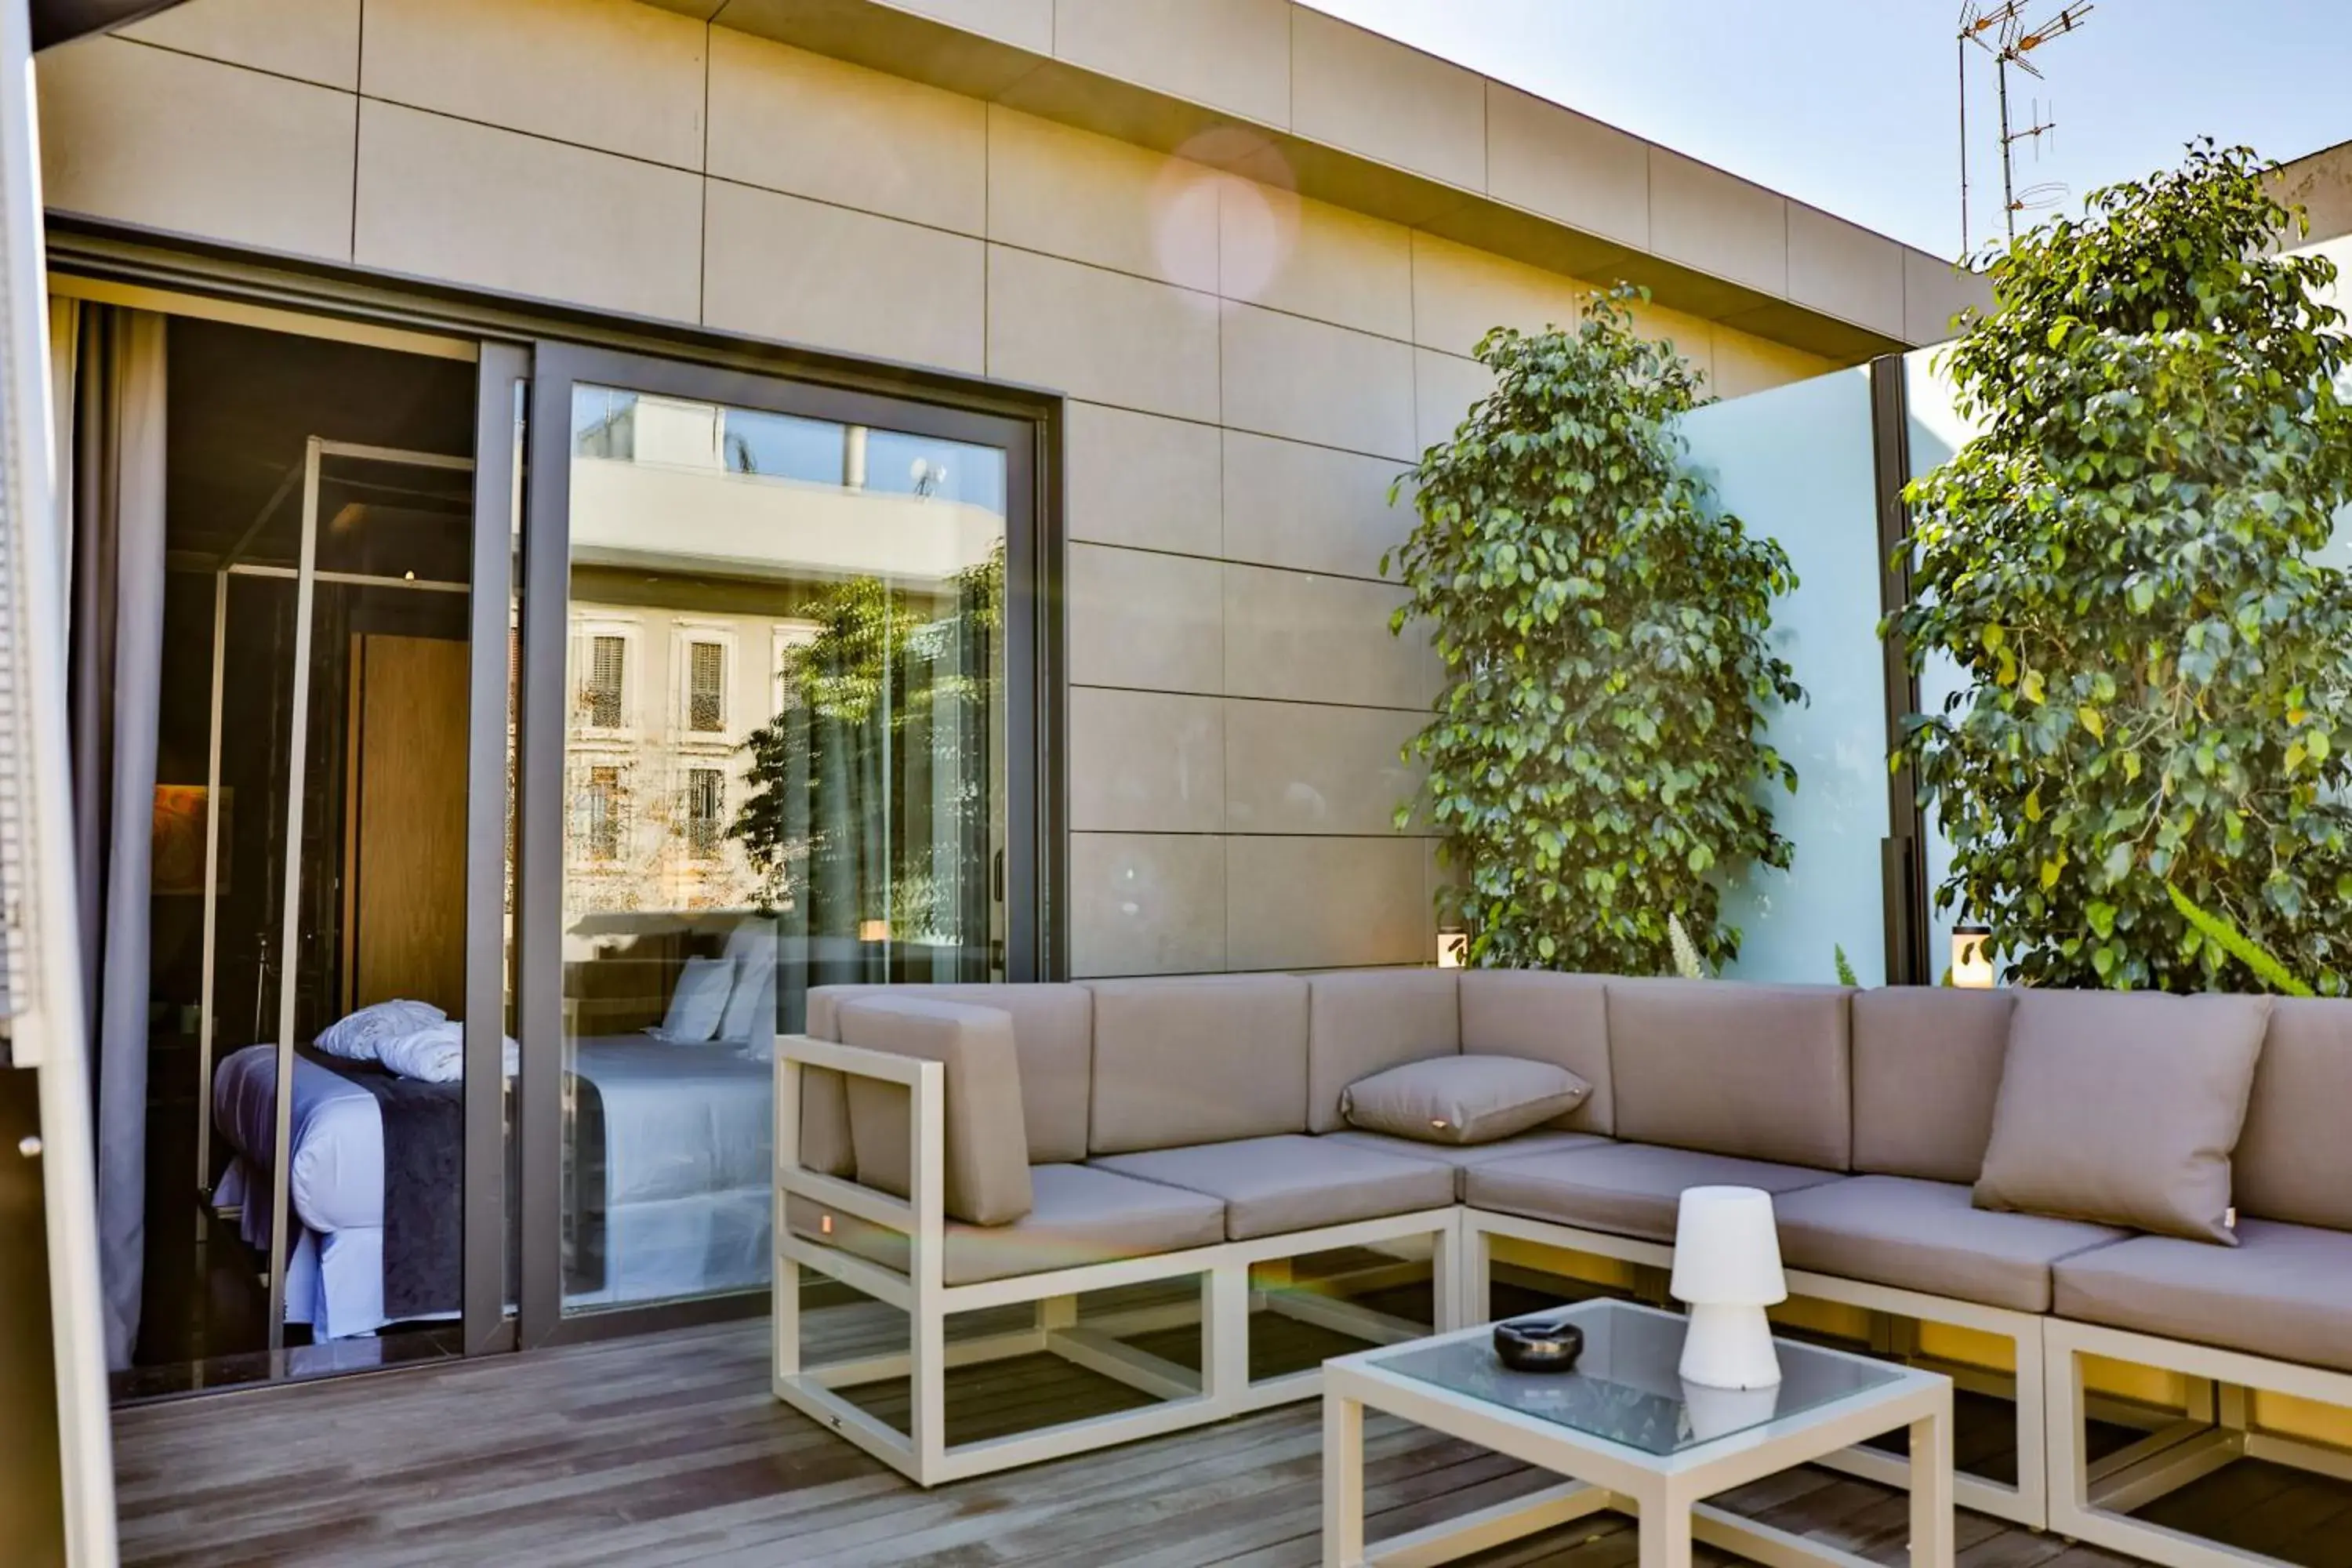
(785, 768)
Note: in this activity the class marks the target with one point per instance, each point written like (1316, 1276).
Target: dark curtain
(113, 680)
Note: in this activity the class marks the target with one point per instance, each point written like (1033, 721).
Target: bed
(670, 1177)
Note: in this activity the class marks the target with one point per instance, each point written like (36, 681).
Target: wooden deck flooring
(668, 1451)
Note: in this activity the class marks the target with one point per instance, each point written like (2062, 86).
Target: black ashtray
(1538, 1344)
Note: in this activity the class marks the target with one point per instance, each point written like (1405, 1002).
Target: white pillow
(699, 1002)
(752, 1004)
(359, 1037)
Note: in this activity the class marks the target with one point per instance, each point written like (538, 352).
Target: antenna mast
(2003, 33)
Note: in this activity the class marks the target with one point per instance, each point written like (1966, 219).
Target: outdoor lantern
(1728, 1270)
(874, 931)
(1972, 965)
(1453, 947)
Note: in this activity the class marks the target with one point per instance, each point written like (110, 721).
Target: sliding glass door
(779, 658)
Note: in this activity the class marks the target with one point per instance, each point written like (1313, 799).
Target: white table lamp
(1728, 1270)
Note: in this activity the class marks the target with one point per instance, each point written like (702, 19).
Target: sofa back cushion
(2294, 1160)
(1197, 1061)
(986, 1176)
(1558, 1018)
(1367, 1021)
(1926, 1070)
(2123, 1107)
(1759, 1072)
(1053, 1031)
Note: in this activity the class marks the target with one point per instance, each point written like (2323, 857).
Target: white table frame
(1665, 1493)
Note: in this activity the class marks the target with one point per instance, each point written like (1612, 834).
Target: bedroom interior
(782, 755)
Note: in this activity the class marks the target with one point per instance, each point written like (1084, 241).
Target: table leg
(1931, 1490)
(1343, 1482)
(1665, 1534)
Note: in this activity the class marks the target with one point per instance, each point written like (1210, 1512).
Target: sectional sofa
(953, 1149)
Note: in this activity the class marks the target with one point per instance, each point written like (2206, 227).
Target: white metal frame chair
(1222, 1388)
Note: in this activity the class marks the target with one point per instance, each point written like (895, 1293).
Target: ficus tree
(2126, 564)
(1596, 762)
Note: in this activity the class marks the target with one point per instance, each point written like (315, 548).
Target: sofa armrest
(919, 1217)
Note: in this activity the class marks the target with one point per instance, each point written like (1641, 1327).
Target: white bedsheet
(688, 1142)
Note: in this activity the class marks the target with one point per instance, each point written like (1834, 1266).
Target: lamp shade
(1727, 1250)
(1971, 965)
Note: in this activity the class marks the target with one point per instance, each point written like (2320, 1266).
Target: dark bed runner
(424, 1186)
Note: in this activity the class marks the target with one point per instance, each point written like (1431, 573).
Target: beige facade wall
(1248, 370)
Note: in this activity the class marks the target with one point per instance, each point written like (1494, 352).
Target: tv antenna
(2002, 32)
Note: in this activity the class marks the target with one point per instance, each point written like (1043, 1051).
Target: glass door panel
(784, 764)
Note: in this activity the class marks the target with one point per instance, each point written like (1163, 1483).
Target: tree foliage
(2124, 563)
(1596, 765)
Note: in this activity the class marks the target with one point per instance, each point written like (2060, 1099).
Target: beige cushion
(1459, 1157)
(1273, 1185)
(2122, 1109)
(1624, 1189)
(1759, 1072)
(1362, 1021)
(2295, 1161)
(1546, 1018)
(2284, 1291)
(987, 1154)
(1053, 1031)
(1461, 1099)
(1082, 1215)
(1928, 1237)
(1202, 1059)
(1926, 1070)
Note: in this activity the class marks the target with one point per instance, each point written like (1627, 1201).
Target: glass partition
(784, 764)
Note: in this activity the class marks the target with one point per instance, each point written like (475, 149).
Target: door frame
(1036, 941)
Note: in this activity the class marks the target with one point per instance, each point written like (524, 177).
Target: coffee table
(1634, 1439)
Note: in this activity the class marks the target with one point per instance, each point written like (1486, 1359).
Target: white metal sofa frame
(1220, 1389)
(2058, 1486)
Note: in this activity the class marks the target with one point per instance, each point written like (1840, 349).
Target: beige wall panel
(1311, 259)
(1443, 388)
(1101, 336)
(1310, 507)
(1138, 618)
(795, 122)
(608, 74)
(1306, 639)
(310, 40)
(1934, 292)
(448, 199)
(1326, 903)
(1229, 54)
(1356, 89)
(1845, 269)
(1718, 223)
(1288, 376)
(1744, 364)
(1294, 767)
(1142, 480)
(1146, 903)
(1459, 294)
(1146, 762)
(1025, 24)
(145, 136)
(1089, 199)
(778, 267)
(1556, 162)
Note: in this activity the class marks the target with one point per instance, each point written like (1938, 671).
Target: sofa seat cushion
(1930, 1236)
(1291, 1181)
(1624, 1189)
(2284, 1291)
(1080, 1215)
(1459, 1157)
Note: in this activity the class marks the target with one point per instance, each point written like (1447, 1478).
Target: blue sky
(1850, 104)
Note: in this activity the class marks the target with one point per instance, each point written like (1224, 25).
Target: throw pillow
(2123, 1109)
(358, 1037)
(1462, 1099)
(698, 1001)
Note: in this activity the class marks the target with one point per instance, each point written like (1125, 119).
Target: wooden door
(407, 898)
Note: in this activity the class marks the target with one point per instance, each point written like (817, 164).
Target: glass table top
(1625, 1387)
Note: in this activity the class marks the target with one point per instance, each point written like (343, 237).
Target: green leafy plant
(1686, 960)
(2232, 940)
(1596, 764)
(1845, 968)
(2124, 563)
